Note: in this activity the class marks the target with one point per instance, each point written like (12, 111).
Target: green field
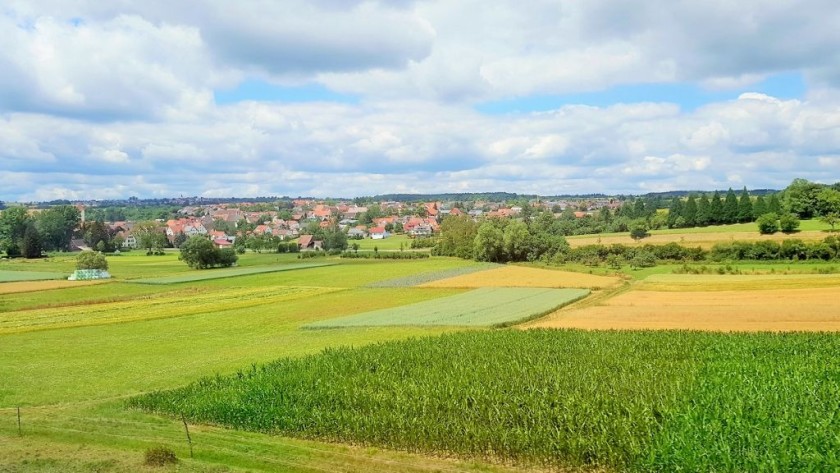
(226, 273)
(14, 276)
(391, 243)
(663, 401)
(486, 307)
(429, 276)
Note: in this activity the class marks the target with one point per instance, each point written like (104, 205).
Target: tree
(57, 225)
(639, 231)
(704, 210)
(13, 223)
(179, 239)
(768, 223)
(828, 201)
(773, 205)
(200, 253)
(745, 207)
(91, 260)
(831, 219)
(31, 245)
(457, 235)
(716, 209)
(788, 223)
(150, 237)
(760, 207)
(517, 241)
(674, 212)
(800, 198)
(730, 207)
(96, 232)
(489, 242)
(689, 213)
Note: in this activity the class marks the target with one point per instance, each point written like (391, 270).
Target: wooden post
(187, 430)
(20, 433)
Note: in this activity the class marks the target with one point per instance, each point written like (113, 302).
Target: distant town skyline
(106, 100)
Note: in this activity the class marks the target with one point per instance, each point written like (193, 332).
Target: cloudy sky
(111, 99)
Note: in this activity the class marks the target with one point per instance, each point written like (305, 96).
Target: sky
(347, 98)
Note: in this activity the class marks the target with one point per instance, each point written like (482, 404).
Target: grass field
(69, 355)
(647, 401)
(706, 237)
(484, 307)
(226, 273)
(14, 276)
(391, 243)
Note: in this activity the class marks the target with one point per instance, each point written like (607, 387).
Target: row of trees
(502, 240)
(704, 211)
(22, 234)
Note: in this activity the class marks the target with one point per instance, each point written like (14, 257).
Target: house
(379, 233)
(222, 243)
(308, 243)
(421, 231)
(356, 233)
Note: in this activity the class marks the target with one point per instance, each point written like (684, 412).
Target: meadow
(73, 353)
(706, 237)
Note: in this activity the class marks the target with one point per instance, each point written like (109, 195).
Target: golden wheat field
(736, 282)
(812, 309)
(520, 276)
(32, 286)
(703, 240)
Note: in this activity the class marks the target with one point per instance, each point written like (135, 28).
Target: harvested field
(782, 310)
(703, 240)
(736, 282)
(32, 286)
(521, 276)
(431, 276)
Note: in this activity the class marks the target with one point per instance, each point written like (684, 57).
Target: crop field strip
(14, 275)
(522, 276)
(429, 276)
(809, 309)
(149, 307)
(35, 286)
(647, 401)
(736, 282)
(485, 307)
(227, 273)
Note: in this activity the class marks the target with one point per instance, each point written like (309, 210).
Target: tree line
(30, 234)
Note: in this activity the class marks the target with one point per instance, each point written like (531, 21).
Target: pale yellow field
(32, 286)
(520, 276)
(736, 282)
(814, 309)
(703, 240)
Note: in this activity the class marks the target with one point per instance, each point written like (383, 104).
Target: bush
(768, 224)
(91, 260)
(789, 223)
(160, 456)
(200, 253)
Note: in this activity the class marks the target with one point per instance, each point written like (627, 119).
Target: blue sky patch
(262, 91)
(688, 96)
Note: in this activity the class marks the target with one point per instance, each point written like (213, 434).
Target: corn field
(645, 401)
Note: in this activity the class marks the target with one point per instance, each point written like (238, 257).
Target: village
(224, 224)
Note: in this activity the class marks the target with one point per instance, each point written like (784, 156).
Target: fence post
(20, 432)
(187, 430)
